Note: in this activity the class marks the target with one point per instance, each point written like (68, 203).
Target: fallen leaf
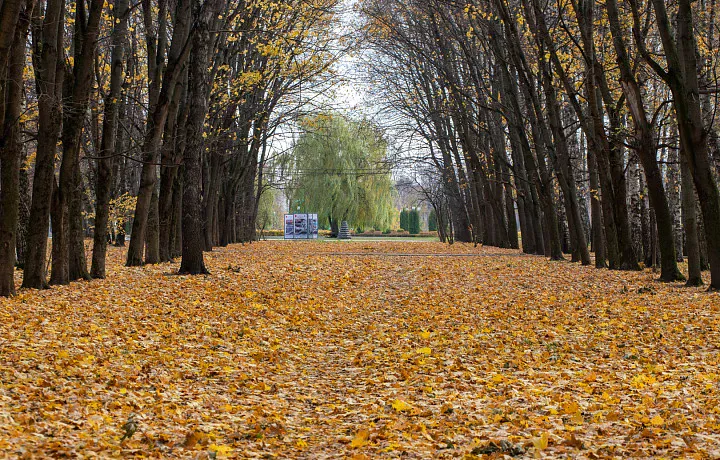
(400, 405)
(360, 439)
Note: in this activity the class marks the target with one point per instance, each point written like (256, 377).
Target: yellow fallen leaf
(301, 443)
(220, 449)
(424, 351)
(360, 439)
(571, 407)
(541, 443)
(425, 335)
(657, 420)
(400, 405)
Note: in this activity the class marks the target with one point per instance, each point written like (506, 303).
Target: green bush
(414, 222)
(404, 219)
(432, 221)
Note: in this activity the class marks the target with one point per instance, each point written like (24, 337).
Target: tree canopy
(339, 170)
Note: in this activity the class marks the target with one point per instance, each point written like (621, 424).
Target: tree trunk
(77, 262)
(635, 206)
(155, 124)
(689, 212)
(49, 67)
(60, 273)
(563, 171)
(682, 78)
(152, 235)
(596, 213)
(11, 92)
(24, 211)
(647, 150)
(177, 236)
(103, 185)
(71, 247)
(171, 156)
(198, 84)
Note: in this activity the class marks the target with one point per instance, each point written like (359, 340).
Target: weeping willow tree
(339, 169)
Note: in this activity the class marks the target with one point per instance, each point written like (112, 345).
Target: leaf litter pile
(362, 350)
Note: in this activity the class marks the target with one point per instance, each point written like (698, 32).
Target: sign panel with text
(301, 226)
(289, 226)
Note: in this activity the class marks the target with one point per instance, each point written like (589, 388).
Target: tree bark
(103, 185)
(564, 172)
(157, 115)
(11, 92)
(152, 237)
(596, 213)
(49, 70)
(690, 225)
(198, 83)
(67, 220)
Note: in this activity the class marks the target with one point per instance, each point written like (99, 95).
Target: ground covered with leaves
(365, 350)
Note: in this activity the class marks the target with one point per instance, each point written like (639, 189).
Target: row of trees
(169, 101)
(410, 221)
(593, 121)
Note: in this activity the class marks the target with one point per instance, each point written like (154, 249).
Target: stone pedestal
(344, 233)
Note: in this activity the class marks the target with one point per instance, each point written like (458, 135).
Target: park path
(365, 350)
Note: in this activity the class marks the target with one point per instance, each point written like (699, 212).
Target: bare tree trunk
(635, 208)
(596, 213)
(24, 211)
(11, 91)
(77, 262)
(49, 68)
(563, 171)
(152, 237)
(176, 239)
(68, 236)
(157, 115)
(673, 194)
(103, 185)
(689, 212)
(171, 158)
(198, 83)
(682, 78)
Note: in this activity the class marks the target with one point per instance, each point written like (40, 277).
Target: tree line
(592, 122)
(170, 102)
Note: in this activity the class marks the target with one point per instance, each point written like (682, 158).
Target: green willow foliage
(340, 171)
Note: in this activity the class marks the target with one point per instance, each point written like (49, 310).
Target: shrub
(414, 222)
(432, 221)
(404, 219)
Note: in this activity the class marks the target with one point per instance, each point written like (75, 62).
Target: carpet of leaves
(362, 350)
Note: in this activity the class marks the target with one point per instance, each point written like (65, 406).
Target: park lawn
(362, 350)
